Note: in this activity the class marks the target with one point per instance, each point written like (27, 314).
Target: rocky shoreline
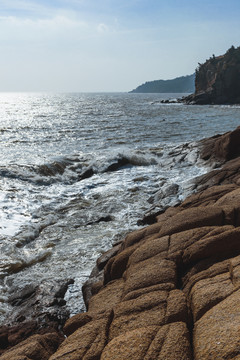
(168, 291)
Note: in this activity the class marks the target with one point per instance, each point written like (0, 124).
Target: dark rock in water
(116, 166)
(172, 101)
(218, 80)
(92, 285)
(166, 190)
(86, 174)
(52, 169)
(37, 309)
(21, 296)
(150, 218)
(106, 218)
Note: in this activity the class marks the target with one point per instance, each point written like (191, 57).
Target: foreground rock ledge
(169, 291)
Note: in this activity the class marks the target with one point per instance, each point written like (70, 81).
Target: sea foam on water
(79, 170)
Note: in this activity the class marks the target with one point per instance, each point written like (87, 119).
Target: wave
(74, 169)
(71, 169)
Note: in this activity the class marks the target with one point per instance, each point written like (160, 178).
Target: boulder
(36, 347)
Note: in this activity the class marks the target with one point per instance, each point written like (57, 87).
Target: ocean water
(77, 172)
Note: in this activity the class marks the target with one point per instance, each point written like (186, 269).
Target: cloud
(58, 21)
(24, 7)
(13, 29)
(102, 28)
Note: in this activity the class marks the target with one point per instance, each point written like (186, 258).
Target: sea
(79, 170)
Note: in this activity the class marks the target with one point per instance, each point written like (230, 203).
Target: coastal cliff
(218, 80)
(168, 291)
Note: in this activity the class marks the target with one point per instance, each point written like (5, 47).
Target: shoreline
(150, 286)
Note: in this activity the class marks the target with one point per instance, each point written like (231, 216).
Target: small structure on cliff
(218, 80)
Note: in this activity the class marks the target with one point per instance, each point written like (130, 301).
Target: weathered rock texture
(217, 81)
(170, 290)
(36, 309)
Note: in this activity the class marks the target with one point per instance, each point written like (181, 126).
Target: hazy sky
(109, 45)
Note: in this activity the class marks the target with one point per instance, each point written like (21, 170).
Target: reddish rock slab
(36, 347)
(216, 334)
(169, 342)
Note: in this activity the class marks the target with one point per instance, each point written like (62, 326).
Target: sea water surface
(77, 172)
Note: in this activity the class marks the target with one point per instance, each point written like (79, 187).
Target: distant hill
(182, 84)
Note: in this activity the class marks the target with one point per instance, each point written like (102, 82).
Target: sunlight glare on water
(70, 160)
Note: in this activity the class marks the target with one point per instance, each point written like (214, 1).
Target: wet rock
(86, 174)
(118, 164)
(150, 217)
(165, 191)
(36, 309)
(106, 218)
(102, 260)
(88, 288)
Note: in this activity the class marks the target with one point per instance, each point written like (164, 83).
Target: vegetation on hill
(183, 84)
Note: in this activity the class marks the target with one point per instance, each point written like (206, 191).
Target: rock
(223, 148)
(118, 164)
(87, 342)
(96, 277)
(217, 80)
(112, 291)
(44, 302)
(75, 323)
(171, 276)
(102, 260)
(168, 342)
(37, 309)
(106, 218)
(216, 333)
(86, 174)
(37, 347)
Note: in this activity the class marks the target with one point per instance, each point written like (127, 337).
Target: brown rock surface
(170, 291)
(37, 347)
(178, 278)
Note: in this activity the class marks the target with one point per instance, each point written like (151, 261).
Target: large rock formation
(170, 290)
(218, 80)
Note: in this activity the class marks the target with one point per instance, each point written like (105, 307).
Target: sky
(109, 45)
